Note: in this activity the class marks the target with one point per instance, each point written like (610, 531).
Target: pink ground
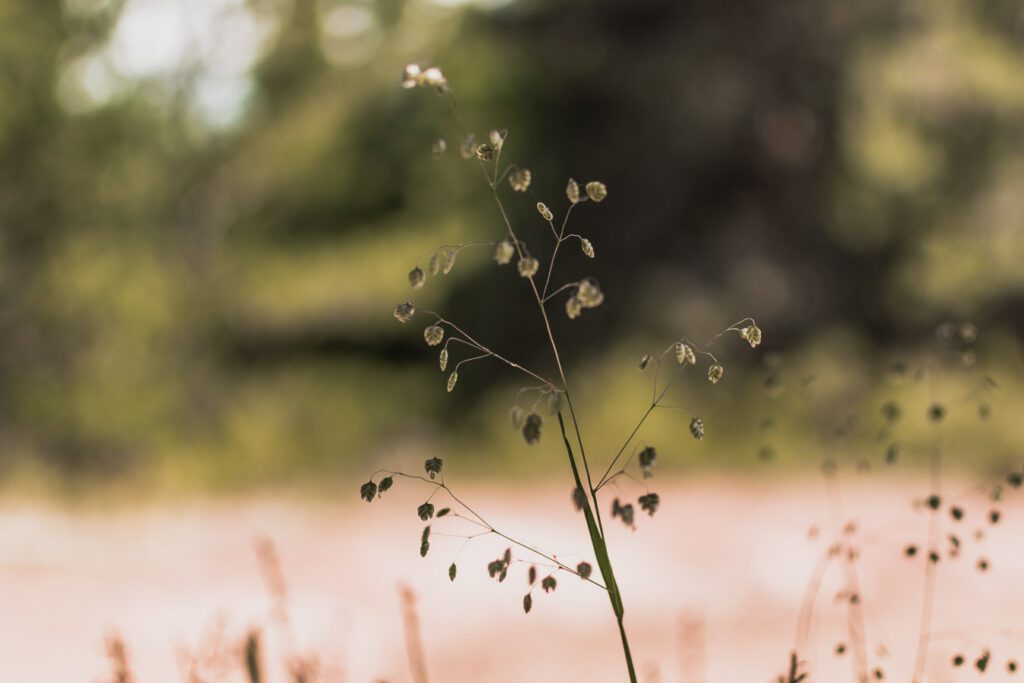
(712, 586)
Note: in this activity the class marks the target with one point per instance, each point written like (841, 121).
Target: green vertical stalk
(601, 554)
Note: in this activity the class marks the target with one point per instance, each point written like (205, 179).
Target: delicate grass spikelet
(647, 457)
(438, 148)
(625, 512)
(520, 179)
(467, 150)
(385, 484)
(573, 308)
(497, 138)
(452, 571)
(415, 75)
(368, 491)
(425, 511)
(433, 466)
(584, 569)
(425, 541)
(572, 191)
(527, 603)
(417, 278)
(531, 576)
(544, 211)
(645, 361)
(411, 76)
(442, 360)
(504, 252)
(596, 191)
(452, 379)
(587, 247)
(715, 373)
(589, 294)
(449, 261)
(751, 334)
(684, 354)
(404, 312)
(548, 583)
(697, 428)
(433, 335)
(532, 427)
(484, 152)
(435, 263)
(649, 503)
(528, 266)
(516, 416)
(554, 402)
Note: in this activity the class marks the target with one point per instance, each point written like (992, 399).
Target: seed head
(531, 428)
(589, 294)
(587, 247)
(425, 511)
(715, 373)
(433, 335)
(528, 266)
(685, 354)
(544, 211)
(596, 191)
(649, 503)
(516, 416)
(435, 263)
(647, 458)
(697, 428)
(417, 278)
(404, 312)
(504, 252)
(572, 191)
(433, 466)
(442, 360)
(368, 491)
(452, 379)
(584, 569)
(645, 361)
(573, 308)
(449, 261)
(497, 138)
(467, 150)
(520, 179)
(438, 148)
(484, 152)
(751, 334)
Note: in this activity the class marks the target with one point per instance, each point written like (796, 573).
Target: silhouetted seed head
(993, 516)
(425, 511)
(516, 416)
(697, 428)
(715, 373)
(936, 412)
(584, 569)
(1011, 666)
(879, 674)
(452, 571)
(548, 583)
(958, 660)
(579, 499)
(956, 513)
(443, 512)
(467, 150)
(934, 556)
(520, 179)
(646, 459)
(596, 191)
(934, 502)
(572, 191)
(982, 565)
(528, 266)
(437, 149)
(531, 576)
(527, 603)
(417, 278)
(573, 308)
(624, 512)
(442, 359)
(385, 484)
(1015, 479)
(404, 312)
(452, 379)
(840, 649)
(368, 491)
(587, 247)
(433, 466)
(649, 503)
(532, 428)
(484, 152)
(425, 541)
(751, 334)
(433, 335)
(645, 361)
(544, 211)
(982, 661)
(504, 252)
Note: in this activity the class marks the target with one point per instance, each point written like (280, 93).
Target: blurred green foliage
(199, 255)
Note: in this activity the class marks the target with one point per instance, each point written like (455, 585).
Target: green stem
(601, 554)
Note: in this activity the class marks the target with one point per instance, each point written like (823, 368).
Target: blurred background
(209, 208)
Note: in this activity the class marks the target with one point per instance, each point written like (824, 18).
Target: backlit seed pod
(645, 361)
(497, 138)
(697, 428)
(520, 179)
(684, 354)
(573, 308)
(433, 78)
(435, 264)
(411, 76)
(587, 247)
(752, 335)
(433, 335)
(572, 191)
(504, 252)
(589, 294)
(544, 211)
(528, 266)
(404, 312)
(442, 360)
(516, 416)
(449, 261)
(452, 379)
(467, 150)
(438, 148)
(484, 152)
(715, 373)
(596, 191)
(417, 278)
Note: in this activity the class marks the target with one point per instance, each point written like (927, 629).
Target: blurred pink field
(712, 585)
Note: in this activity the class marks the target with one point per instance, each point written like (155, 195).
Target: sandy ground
(712, 585)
